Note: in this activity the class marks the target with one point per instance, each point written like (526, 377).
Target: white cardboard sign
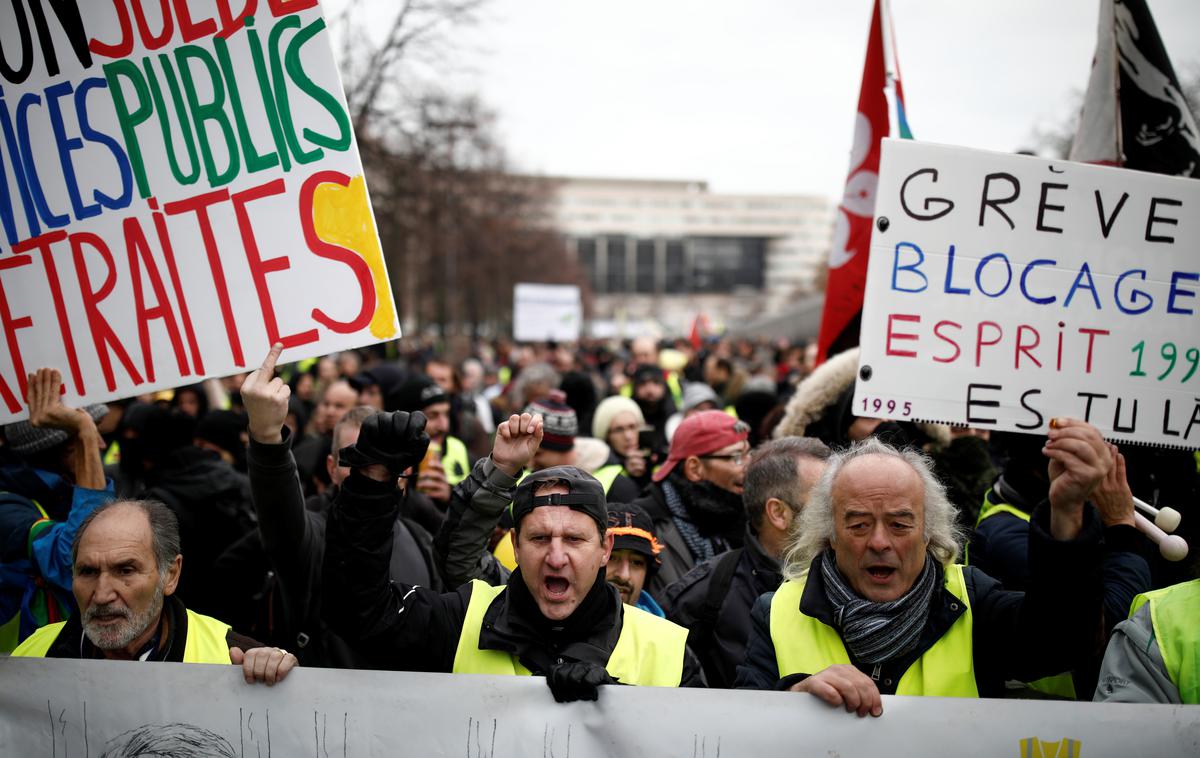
(179, 188)
(1005, 290)
(547, 312)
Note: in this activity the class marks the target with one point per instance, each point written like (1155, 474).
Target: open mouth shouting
(557, 587)
(881, 574)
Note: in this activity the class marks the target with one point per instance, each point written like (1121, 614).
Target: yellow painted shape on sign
(342, 216)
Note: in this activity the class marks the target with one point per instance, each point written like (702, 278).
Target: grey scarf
(878, 632)
(700, 547)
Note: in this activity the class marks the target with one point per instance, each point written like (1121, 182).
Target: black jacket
(293, 539)
(1021, 636)
(1000, 549)
(72, 643)
(212, 501)
(676, 557)
(417, 629)
(713, 602)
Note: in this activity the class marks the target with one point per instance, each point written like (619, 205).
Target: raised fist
(395, 440)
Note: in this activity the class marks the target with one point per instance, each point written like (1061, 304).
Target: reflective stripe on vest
(995, 509)
(206, 640)
(804, 645)
(1173, 614)
(455, 461)
(649, 651)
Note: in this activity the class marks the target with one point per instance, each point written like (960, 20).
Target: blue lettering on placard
(1025, 287)
(1135, 295)
(1085, 273)
(1176, 277)
(914, 268)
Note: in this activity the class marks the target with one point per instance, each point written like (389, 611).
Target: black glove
(577, 681)
(396, 440)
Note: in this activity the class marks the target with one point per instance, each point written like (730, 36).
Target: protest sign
(1006, 290)
(547, 312)
(71, 708)
(180, 187)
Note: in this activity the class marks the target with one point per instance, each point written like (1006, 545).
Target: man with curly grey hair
(874, 601)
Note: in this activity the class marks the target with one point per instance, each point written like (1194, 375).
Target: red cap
(701, 434)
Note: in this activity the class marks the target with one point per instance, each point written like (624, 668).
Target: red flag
(1134, 114)
(852, 233)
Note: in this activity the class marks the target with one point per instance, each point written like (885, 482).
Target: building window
(723, 264)
(587, 260)
(645, 271)
(616, 276)
(676, 280)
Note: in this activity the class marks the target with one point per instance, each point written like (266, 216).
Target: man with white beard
(126, 566)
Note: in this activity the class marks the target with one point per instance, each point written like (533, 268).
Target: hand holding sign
(266, 399)
(1079, 461)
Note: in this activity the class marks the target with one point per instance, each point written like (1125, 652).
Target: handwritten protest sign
(1005, 290)
(179, 188)
(547, 312)
(72, 708)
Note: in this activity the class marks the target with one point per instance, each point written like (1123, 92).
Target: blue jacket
(35, 543)
(647, 604)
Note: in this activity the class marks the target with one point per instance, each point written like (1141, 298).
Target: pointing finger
(268, 364)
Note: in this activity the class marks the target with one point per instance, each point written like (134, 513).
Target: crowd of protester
(372, 508)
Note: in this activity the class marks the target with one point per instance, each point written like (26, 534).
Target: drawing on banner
(174, 200)
(174, 740)
(68, 736)
(1006, 290)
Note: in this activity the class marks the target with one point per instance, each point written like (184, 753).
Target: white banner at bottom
(105, 709)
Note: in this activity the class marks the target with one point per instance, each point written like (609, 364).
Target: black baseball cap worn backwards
(586, 494)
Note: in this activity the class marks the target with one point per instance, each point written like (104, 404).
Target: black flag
(1134, 114)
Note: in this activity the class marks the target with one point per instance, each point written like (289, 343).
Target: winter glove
(577, 680)
(395, 440)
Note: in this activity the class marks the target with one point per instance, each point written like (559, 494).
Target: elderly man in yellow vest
(873, 600)
(556, 617)
(126, 566)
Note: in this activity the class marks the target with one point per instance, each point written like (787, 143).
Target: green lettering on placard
(296, 69)
(254, 160)
(213, 111)
(281, 96)
(264, 88)
(164, 120)
(128, 119)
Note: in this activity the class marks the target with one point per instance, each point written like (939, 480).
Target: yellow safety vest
(455, 461)
(673, 385)
(1174, 612)
(606, 475)
(649, 651)
(804, 645)
(205, 642)
(1060, 685)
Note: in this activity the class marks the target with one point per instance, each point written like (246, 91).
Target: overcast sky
(760, 95)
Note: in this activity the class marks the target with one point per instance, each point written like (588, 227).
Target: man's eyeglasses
(735, 458)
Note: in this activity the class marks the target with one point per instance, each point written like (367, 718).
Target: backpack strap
(718, 587)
